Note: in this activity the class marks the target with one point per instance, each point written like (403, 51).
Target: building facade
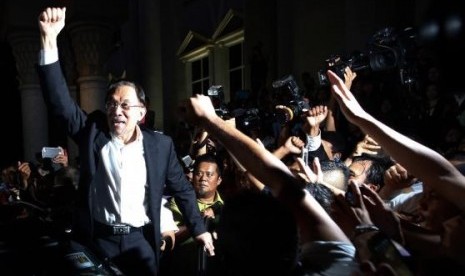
(176, 49)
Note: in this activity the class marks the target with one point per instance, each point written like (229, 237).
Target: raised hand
(200, 109)
(381, 215)
(368, 145)
(61, 158)
(314, 174)
(316, 115)
(294, 145)
(354, 206)
(51, 22)
(24, 170)
(397, 177)
(349, 77)
(347, 102)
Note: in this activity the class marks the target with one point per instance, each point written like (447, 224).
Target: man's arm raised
(51, 22)
(312, 220)
(418, 159)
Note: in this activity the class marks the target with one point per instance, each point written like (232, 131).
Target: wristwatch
(364, 228)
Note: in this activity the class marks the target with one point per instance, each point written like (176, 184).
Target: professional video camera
(387, 49)
(249, 120)
(289, 95)
(216, 94)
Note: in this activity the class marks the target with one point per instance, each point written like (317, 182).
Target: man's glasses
(114, 105)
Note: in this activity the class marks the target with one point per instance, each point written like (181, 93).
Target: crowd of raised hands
(393, 206)
(398, 212)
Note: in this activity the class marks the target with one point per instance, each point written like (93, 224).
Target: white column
(25, 47)
(92, 44)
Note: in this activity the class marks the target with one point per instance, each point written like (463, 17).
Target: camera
(289, 95)
(249, 120)
(50, 152)
(188, 163)
(387, 49)
(216, 94)
(356, 62)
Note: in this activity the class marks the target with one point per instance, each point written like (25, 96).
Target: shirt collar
(119, 142)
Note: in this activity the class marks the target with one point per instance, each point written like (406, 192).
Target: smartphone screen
(50, 152)
(383, 250)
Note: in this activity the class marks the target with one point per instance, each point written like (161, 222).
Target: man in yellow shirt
(206, 179)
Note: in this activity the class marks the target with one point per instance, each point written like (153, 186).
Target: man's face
(206, 179)
(124, 111)
(358, 171)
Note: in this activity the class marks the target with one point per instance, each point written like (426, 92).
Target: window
(215, 60)
(236, 69)
(200, 76)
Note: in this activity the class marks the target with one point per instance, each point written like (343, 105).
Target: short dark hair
(379, 164)
(322, 194)
(209, 158)
(112, 87)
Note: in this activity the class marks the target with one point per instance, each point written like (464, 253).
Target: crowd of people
(359, 183)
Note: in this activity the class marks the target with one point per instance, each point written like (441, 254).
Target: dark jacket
(91, 133)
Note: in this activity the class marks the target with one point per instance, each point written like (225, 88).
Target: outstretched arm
(421, 161)
(51, 22)
(292, 145)
(55, 91)
(313, 222)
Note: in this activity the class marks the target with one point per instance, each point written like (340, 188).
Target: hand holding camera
(57, 154)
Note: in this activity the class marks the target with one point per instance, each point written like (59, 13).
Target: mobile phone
(350, 197)
(188, 162)
(50, 152)
(383, 250)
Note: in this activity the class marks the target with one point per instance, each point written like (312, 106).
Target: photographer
(279, 255)
(309, 120)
